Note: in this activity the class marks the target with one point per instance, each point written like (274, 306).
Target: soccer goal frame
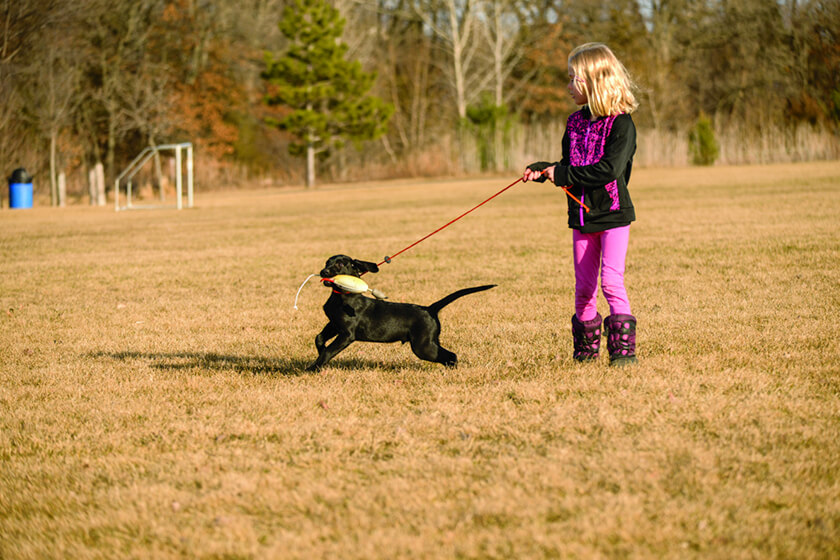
(183, 153)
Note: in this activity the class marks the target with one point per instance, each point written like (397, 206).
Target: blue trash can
(20, 189)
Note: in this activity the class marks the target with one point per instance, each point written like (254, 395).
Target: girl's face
(575, 83)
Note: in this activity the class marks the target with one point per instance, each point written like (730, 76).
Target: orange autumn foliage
(205, 94)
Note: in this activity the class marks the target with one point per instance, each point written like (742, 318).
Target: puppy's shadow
(251, 365)
(175, 361)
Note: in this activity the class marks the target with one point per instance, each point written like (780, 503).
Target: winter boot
(587, 336)
(621, 339)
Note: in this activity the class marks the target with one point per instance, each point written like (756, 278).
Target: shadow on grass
(254, 365)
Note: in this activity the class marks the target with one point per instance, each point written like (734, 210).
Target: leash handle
(570, 195)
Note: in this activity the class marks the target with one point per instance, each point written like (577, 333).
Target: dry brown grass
(152, 402)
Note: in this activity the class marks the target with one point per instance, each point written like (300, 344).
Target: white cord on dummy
(301, 287)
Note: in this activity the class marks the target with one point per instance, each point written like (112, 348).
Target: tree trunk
(53, 185)
(110, 154)
(99, 171)
(92, 186)
(310, 166)
(499, 143)
(62, 189)
(457, 68)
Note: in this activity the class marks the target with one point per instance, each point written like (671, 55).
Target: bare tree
(501, 26)
(406, 71)
(12, 134)
(21, 22)
(665, 97)
(502, 30)
(20, 25)
(734, 59)
(117, 42)
(52, 97)
(145, 102)
(456, 23)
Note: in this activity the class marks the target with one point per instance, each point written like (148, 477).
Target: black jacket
(596, 165)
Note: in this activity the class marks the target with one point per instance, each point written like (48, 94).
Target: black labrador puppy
(356, 317)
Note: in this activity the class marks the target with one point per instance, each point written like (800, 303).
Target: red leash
(388, 259)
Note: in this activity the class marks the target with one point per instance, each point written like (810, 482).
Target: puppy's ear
(366, 266)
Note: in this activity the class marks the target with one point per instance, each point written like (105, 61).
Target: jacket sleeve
(618, 151)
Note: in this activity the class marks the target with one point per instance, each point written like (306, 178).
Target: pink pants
(605, 250)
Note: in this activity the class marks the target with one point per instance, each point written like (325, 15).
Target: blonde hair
(604, 80)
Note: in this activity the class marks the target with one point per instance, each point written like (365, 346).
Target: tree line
(467, 82)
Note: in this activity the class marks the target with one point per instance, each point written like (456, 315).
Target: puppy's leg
(341, 342)
(326, 333)
(447, 358)
(430, 350)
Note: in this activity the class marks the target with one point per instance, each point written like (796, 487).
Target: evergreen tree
(327, 95)
(702, 145)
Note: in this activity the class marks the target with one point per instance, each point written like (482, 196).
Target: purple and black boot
(587, 335)
(621, 339)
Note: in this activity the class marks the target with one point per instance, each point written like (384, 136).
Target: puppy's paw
(313, 367)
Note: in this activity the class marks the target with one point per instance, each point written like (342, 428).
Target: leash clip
(388, 260)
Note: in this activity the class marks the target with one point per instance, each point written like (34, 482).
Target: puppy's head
(342, 264)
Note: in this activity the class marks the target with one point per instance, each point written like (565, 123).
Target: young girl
(598, 149)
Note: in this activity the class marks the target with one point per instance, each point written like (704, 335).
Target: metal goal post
(183, 151)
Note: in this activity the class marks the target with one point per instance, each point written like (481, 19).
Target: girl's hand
(539, 172)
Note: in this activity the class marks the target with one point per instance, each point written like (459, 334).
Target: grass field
(153, 403)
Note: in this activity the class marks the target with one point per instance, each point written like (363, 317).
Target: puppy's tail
(438, 305)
